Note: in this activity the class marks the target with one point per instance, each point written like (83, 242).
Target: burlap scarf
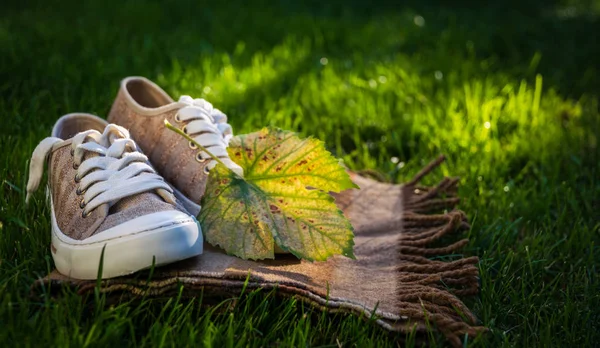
(394, 276)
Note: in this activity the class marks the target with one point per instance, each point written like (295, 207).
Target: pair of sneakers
(124, 194)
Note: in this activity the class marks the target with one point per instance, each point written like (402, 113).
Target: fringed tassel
(428, 287)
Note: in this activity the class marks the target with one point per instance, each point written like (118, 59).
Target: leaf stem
(180, 132)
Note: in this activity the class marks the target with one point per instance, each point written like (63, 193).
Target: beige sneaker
(141, 107)
(107, 200)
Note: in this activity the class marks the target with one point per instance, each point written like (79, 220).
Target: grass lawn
(509, 92)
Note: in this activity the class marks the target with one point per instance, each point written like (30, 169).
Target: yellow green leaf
(283, 198)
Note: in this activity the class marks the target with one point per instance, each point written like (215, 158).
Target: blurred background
(508, 90)
(350, 72)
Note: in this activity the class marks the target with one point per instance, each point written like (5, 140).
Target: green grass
(391, 89)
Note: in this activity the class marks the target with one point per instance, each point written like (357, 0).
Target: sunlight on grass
(369, 112)
(511, 99)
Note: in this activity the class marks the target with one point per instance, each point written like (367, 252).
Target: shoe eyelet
(184, 129)
(84, 215)
(199, 158)
(177, 118)
(72, 152)
(206, 170)
(82, 204)
(192, 145)
(77, 179)
(79, 192)
(75, 166)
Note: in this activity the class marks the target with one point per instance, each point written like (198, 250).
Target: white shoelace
(117, 172)
(207, 126)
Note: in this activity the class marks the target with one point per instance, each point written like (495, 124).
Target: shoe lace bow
(207, 126)
(109, 168)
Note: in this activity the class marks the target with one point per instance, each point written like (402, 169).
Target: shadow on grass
(110, 39)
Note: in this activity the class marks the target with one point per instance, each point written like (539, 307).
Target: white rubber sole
(158, 238)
